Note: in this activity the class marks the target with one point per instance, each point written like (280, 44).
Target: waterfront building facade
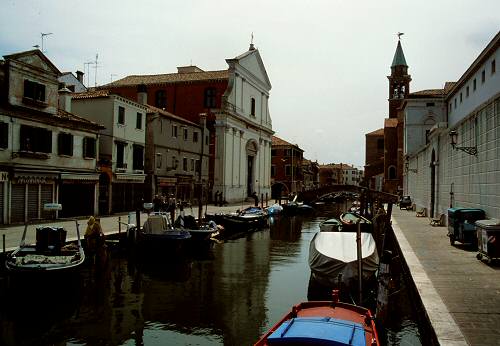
(310, 172)
(122, 145)
(236, 103)
(441, 175)
(286, 168)
(374, 159)
(47, 154)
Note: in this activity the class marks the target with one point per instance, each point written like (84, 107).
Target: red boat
(323, 323)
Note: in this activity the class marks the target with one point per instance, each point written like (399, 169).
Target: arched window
(392, 172)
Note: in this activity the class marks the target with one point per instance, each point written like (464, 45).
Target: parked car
(405, 202)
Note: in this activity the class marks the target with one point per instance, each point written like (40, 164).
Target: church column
(242, 160)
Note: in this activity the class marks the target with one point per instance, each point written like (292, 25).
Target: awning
(80, 176)
(136, 178)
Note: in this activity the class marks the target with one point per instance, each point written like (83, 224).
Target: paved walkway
(109, 225)
(461, 295)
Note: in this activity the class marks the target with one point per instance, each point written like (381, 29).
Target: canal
(229, 294)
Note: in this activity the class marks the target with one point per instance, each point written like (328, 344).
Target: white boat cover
(332, 253)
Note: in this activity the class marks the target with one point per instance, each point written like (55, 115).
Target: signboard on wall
(4, 176)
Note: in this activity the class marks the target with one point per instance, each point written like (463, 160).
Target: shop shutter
(1, 202)
(17, 203)
(46, 197)
(33, 204)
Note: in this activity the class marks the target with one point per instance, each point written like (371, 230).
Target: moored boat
(323, 323)
(49, 259)
(350, 222)
(331, 225)
(240, 221)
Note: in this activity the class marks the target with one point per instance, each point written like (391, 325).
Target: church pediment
(251, 61)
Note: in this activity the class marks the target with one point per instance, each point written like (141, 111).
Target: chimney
(64, 99)
(142, 94)
(79, 76)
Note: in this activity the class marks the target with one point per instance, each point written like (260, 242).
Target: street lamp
(468, 150)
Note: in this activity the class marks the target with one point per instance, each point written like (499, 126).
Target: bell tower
(399, 80)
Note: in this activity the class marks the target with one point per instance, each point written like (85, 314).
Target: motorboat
(331, 225)
(323, 323)
(241, 220)
(350, 222)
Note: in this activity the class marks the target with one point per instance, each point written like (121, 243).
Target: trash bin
(461, 224)
(488, 236)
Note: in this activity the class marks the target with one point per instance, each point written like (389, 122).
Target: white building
(47, 154)
(122, 143)
(439, 175)
(244, 130)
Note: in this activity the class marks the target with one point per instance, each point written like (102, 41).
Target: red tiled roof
(91, 94)
(448, 86)
(153, 109)
(170, 78)
(428, 92)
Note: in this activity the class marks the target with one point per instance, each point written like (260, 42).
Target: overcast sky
(328, 61)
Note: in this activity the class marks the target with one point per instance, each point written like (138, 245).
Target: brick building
(235, 101)
(286, 168)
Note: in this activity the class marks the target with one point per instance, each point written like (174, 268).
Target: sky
(327, 61)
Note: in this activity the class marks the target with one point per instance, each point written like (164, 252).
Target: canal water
(229, 294)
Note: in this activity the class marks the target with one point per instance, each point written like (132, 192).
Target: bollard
(267, 200)
(262, 200)
(119, 225)
(360, 263)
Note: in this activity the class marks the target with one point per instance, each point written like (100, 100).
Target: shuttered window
(33, 202)
(18, 203)
(4, 135)
(89, 150)
(1, 203)
(65, 144)
(46, 197)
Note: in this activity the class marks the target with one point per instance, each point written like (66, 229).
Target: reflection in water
(228, 295)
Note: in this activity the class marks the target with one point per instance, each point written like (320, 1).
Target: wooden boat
(323, 323)
(350, 222)
(50, 258)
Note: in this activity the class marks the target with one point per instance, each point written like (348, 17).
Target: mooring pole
(119, 225)
(3, 238)
(360, 263)
(384, 278)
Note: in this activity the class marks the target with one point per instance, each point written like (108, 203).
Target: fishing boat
(323, 323)
(334, 253)
(350, 222)
(50, 258)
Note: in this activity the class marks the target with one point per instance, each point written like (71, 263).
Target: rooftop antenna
(43, 35)
(86, 69)
(399, 35)
(95, 67)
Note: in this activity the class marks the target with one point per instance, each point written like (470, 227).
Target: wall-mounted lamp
(468, 150)
(408, 169)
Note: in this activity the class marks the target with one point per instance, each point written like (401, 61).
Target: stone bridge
(313, 195)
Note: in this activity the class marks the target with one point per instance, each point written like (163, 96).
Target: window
(185, 131)
(427, 133)
(392, 172)
(273, 171)
(287, 152)
(192, 165)
(273, 152)
(4, 135)
(197, 166)
(206, 140)
(89, 150)
(474, 85)
(460, 97)
(138, 122)
(121, 115)
(138, 159)
(158, 160)
(288, 170)
(450, 107)
(467, 91)
(380, 144)
(209, 99)
(34, 91)
(483, 76)
(195, 137)
(493, 67)
(430, 104)
(120, 155)
(174, 131)
(252, 106)
(35, 139)
(161, 99)
(65, 144)
(174, 162)
(455, 101)
(185, 164)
